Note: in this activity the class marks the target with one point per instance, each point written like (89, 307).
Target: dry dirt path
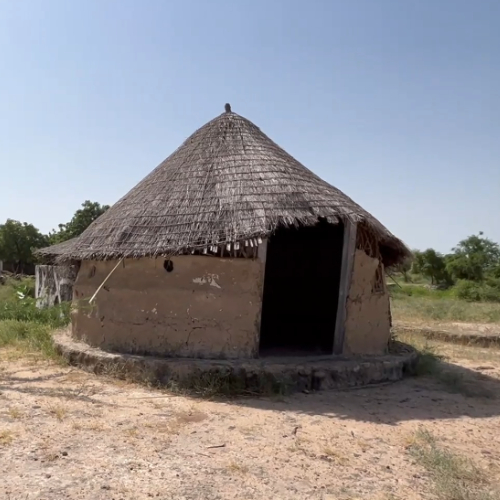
(67, 434)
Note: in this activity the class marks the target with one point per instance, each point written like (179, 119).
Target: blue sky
(396, 102)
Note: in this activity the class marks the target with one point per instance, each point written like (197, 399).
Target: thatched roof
(227, 183)
(52, 253)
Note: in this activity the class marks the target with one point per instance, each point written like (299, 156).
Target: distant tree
(431, 264)
(404, 268)
(17, 242)
(474, 259)
(82, 219)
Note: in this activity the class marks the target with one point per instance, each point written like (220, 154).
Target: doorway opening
(301, 290)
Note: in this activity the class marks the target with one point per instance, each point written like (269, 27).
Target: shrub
(472, 291)
(22, 324)
(27, 335)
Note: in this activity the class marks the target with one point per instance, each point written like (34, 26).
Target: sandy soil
(66, 434)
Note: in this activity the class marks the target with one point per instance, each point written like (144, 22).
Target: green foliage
(27, 335)
(404, 269)
(474, 291)
(22, 324)
(474, 259)
(415, 290)
(82, 219)
(471, 272)
(17, 242)
(442, 306)
(431, 264)
(18, 304)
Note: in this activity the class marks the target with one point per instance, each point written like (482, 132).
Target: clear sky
(396, 102)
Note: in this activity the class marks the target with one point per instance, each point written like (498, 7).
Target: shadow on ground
(452, 391)
(43, 385)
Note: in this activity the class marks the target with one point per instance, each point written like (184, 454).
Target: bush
(27, 335)
(25, 326)
(25, 310)
(17, 303)
(473, 291)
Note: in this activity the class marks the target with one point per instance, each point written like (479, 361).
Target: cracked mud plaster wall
(206, 307)
(367, 327)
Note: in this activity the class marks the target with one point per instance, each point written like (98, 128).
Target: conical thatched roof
(228, 182)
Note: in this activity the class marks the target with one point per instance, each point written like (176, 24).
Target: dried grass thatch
(50, 255)
(227, 183)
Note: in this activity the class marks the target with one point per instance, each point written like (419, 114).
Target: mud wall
(54, 284)
(367, 327)
(204, 307)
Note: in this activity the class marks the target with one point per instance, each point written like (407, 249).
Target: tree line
(473, 267)
(18, 240)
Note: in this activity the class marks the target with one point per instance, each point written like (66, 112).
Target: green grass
(454, 477)
(415, 290)
(27, 336)
(418, 301)
(22, 325)
(421, 308)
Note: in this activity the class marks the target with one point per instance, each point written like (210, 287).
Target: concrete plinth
(255, 375)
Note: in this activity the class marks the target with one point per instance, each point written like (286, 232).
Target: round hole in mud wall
(168, 265)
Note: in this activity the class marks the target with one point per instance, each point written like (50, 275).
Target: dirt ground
(67, 434)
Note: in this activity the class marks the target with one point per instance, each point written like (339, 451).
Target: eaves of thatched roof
(226, 184)
(52, 253)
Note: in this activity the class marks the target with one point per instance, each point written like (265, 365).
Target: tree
(404, 268)
(474, 258)
(82, 219)
(431, 264)
(17, 242)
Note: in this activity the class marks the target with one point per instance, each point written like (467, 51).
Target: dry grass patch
(58, 412)
(454, 477)
(88, 425)
(364, 445)
(335, 455)
(16, 413)
(6, 437)
(191, 416)
(132, 432)
(237, 468)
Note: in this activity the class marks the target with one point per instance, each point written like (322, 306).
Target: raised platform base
(259, 376)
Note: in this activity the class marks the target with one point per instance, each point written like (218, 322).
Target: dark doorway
(301, 289)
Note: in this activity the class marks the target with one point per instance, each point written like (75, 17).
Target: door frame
(348, 251)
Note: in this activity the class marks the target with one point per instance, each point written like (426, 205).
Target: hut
(54, 282)
(231, 248)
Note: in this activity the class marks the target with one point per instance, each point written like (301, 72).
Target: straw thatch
(227, 183)
(49, 255)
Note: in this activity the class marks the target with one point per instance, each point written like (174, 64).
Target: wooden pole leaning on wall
(104, 282)
(348, 251)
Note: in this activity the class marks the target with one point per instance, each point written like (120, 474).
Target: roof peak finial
(227, 107)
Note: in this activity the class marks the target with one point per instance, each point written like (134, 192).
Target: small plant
(131, 432)
(228, 384)
(15, 413)
(58, 411)
(454, 477)
(430, 364)
(6, 437)
(238, 468)
(23, 325)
